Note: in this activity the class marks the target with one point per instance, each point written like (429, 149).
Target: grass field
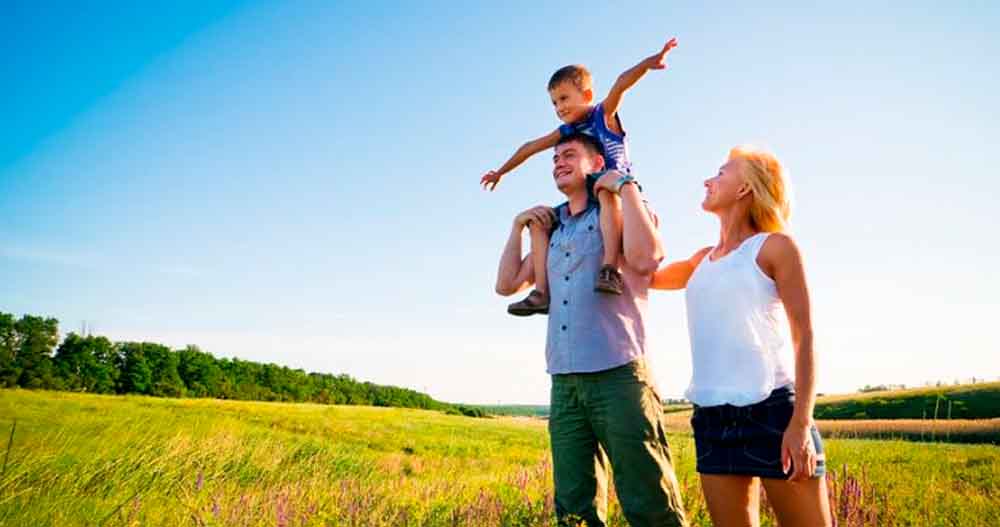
(966, 401)
(946, 430)
(98, 460)
(953, 431)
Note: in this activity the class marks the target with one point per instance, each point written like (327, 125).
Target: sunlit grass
(101, 460)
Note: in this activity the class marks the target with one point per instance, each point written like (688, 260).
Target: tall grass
(131, 461)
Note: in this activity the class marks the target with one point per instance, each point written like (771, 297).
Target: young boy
(571, 91)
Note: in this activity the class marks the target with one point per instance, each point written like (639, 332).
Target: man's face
(571, 103)
(571, 163)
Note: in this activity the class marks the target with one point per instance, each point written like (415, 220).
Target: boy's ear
(588, 95)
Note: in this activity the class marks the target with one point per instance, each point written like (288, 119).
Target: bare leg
(611, 226)
(540, 257)
(733, 501)
(537, 301)
(799, 502)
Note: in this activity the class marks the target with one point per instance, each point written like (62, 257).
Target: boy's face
(571, 103)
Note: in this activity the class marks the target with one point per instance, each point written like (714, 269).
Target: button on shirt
(590, 331)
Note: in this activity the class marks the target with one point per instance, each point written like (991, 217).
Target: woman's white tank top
(738, 330)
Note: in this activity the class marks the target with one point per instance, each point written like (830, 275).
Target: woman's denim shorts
(746, 440)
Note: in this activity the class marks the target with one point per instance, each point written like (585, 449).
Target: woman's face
(726, 188)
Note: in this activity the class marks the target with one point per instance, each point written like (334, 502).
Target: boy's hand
(490, 180)
(658, 61)
(607, 181)
(540, 215)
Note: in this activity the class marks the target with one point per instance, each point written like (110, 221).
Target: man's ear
(599, 163)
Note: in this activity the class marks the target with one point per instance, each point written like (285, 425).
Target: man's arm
(629, 78)
(491, 178)
(641, 243)
(516, 273)
(640, 237)
(676, 274)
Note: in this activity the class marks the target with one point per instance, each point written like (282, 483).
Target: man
(603, 402)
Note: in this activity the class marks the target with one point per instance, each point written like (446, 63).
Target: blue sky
(297, 182)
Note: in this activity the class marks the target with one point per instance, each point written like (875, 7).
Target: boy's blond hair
(577, 74)
(771, 203)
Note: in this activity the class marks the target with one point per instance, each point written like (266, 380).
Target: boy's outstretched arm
(656, 61)
(491, 178)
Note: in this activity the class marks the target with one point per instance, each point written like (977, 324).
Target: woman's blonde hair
(770, 207)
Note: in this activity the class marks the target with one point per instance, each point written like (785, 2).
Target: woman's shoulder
(778, 243)
(779, 249)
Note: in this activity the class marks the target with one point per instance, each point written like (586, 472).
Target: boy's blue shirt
(614, 145)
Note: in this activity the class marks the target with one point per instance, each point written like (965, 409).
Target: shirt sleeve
(566, 129)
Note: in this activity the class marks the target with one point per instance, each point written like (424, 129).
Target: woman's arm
(780, 259)
(675, 275)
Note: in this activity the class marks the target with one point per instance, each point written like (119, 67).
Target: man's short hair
(588, 142)
(575, 74)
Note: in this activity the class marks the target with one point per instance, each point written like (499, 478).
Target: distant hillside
(515, 410)
(965, 401)
(541, 410)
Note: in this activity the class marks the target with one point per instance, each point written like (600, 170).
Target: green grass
(968, 401)
(101, 460)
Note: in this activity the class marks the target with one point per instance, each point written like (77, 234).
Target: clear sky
(298, 182)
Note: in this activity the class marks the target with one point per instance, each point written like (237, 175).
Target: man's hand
(490, 179)
(658, 61)
(798, 453)
(540, 216)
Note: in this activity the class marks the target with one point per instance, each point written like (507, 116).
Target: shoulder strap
(754, 244)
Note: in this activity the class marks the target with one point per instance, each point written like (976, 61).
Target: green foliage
(967, 401)
(36, 338)
(86, 364)
(95, 364)
(9, 344)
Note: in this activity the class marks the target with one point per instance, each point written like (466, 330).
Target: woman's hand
(798, 453)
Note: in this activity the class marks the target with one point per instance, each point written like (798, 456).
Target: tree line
(32, 356)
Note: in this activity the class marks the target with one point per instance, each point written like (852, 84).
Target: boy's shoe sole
(526, 307)
(521, 311)
(609, 281)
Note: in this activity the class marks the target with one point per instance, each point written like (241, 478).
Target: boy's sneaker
(536, 303)
(609, 281)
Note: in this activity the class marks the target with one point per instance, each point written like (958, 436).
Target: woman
(753, 395)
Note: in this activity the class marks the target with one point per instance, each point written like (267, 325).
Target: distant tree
(86, 364)
(37, 339)
(135, 375)
(166, 382)
(94, 364)
(200, 373)
(9, 344)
